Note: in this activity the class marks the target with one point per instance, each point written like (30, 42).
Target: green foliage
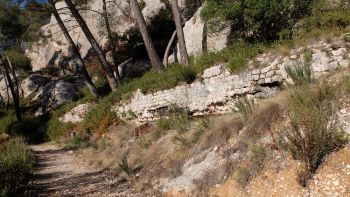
(176, 118)
(236, 55)
(56, 128)
(28, 128)
(142, 4)
(53, 71)
(10, 18)
(18, 59)
(188, 74)
(300, 75)
(7, 118)
(79, 141)
(16, 165)
(124, 165)
(313, 132)
(245, 106)
(255, 163)
(256, 19)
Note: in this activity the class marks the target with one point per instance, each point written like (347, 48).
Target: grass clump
(79, 141)
(236, 56)
(245, 106)
(176, 118)
(301, 74)
(313, 132)
(16, 165)
(124, 165)
(204, 124)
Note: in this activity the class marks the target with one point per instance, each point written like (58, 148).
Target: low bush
(235, 55)
(29, 129)
(7, 118)
(79, 141)
(16, 165)
(313, 132)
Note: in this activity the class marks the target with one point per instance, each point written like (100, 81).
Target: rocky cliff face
(54, 50)
(218, 90)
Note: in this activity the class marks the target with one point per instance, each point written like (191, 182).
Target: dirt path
(58, 174)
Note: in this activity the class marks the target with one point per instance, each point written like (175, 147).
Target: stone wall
(218, 90)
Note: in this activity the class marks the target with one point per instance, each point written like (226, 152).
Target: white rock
(77, 114)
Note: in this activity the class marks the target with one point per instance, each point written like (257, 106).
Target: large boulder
(33, 83)
(199, 38)
(57, 92)
(50, 50)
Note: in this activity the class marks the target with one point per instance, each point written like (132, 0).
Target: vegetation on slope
(16, 165)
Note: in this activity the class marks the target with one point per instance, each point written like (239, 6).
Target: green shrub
(245, 106)
(79, 141)
(188, 74)
(18, 59)
(300, 75)
(16, 165)
(313, 132)
(57, 129)
(29, 129)
(236, 55)
(256, 19)
(7, 118)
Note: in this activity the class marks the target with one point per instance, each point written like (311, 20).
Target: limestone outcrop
(77, 114)
(218, 89)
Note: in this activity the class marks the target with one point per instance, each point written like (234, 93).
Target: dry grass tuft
(263, 118)
(221, 131)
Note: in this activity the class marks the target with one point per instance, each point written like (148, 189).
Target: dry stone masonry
(218, 89)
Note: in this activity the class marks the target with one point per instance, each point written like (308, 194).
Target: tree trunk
(166, 54)
(13, 72)
(106, 67)
(111, 40)
(15, 96)
(152, 53)
(87, 79)
(180, 33)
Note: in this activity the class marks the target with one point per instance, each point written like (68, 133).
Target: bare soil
(57, 173)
